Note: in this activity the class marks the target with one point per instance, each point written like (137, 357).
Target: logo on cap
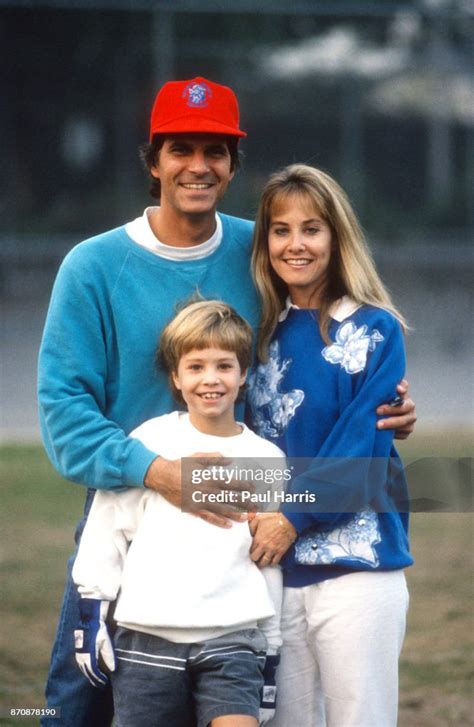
(197, 94)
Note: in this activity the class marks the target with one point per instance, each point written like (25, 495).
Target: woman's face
(299, 245)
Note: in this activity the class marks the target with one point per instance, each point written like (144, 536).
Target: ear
(175, 379)
(154, 168)
(155, 171)
(243, 376)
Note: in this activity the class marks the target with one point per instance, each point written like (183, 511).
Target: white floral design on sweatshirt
(351, 347)
(354, 541)
(272, 409)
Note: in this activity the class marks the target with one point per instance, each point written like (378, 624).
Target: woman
(331, 350)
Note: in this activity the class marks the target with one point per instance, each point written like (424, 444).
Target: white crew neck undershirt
(140, 231)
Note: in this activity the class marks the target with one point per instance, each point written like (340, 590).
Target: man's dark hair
(149, 154)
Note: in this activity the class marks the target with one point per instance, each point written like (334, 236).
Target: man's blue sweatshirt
(98, 378)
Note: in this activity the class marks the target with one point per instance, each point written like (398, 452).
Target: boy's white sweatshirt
(177, 576)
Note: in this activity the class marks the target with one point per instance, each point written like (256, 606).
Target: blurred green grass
(39, 514)
(37, 520)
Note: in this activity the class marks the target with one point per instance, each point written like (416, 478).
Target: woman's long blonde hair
(351, 268)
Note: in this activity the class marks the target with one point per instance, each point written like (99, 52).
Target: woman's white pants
(341, 644)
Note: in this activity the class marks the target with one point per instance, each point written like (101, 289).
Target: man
(113, 295)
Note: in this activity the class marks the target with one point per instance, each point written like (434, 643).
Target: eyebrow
(212, 146)
(305, 222)
(199, 359)
(177, 142)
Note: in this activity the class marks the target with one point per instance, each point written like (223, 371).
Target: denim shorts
(159, 683)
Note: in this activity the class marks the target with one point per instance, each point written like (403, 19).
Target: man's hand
(92, 641)
(165, 476)
(272, 536)
(400, 417)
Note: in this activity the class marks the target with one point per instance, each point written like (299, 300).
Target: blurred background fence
(380, 94)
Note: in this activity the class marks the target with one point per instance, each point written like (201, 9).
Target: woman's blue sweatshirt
(318, 401)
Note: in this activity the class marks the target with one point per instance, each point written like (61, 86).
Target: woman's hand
(272, 536)
(402, 417)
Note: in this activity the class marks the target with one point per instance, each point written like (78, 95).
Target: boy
(188, 649)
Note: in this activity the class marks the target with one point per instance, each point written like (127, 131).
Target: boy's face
(209, 380)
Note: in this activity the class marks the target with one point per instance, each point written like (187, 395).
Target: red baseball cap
(198, 106)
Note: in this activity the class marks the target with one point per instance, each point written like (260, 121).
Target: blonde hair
(204, 324)
(351, 268)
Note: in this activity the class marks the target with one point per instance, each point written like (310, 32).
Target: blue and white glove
(269, 691)
(92, 641)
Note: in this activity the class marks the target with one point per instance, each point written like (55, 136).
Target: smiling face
(209, 380)
(194, 171)
(299, 246)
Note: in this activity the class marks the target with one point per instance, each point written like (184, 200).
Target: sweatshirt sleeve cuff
(300, 520)
(272, 650)
(136, 465)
